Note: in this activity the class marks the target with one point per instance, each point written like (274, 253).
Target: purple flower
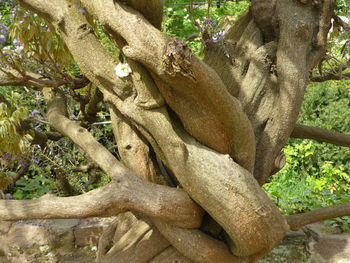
(218, 36)
(34, 112)
(6, 51)
(46, 28)
(24, 162)
(8, 197)
(2, 39)
(7, 157)
(210, 22)
(16, 42)
(82, 10)
(3, 29)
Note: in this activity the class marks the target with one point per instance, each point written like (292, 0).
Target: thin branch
(336, 73)
(330, 76)
(299, 220)
(14, 78)
(101, 123)
(321, 135)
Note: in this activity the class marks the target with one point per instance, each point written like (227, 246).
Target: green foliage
(12, 141)
(343, 6)
(179, 20)
(342, 222)
(32, 187)
(62, 154)
(39, 38)
(316, 174)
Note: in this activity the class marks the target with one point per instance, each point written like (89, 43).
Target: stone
(44, 241)
(88, 232)
(290, 250)
(325, 246)
(5, 227)
(25, 235)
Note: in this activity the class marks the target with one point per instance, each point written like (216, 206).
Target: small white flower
(94, 248)
(122, 70)
(19, 49)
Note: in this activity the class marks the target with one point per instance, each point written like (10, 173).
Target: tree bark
(218, 126)
(321, 135)
(299, 220)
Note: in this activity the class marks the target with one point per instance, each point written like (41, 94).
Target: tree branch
(134, 240)
(128, 193)
(224, 189)
(299, 220)
(320, 43)
(125, 192)
(330, 76)
(151, 9)
(197, 245)
(191, 88)
(30, 79)
(321, 135)
(83, 44)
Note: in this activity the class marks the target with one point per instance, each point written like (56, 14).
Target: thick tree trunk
(215, 127)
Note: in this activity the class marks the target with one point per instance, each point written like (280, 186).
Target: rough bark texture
(217, 125)
(321, 135)
(299, 220)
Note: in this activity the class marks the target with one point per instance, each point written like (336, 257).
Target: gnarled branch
(330, 76)
(191, 88)
(125, 192)
(321, 135)
(299, 220)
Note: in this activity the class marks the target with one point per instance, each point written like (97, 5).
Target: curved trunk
(215, 126)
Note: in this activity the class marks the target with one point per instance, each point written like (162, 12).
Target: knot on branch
(84, 30)
(178, 58)
(270, 61)
(303, 30)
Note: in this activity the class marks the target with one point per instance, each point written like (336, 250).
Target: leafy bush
(316, 174)
(180, 20)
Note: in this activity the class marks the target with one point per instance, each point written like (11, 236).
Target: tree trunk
(213, 128)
